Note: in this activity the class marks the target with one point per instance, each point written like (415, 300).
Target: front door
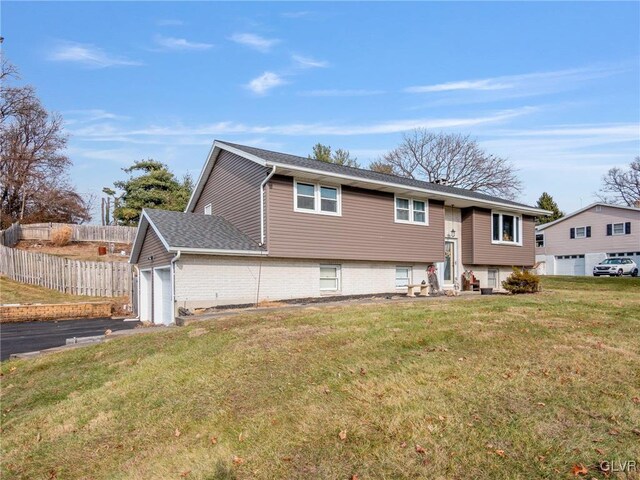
(450, 262)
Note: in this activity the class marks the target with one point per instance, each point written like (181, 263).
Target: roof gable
(374, 180)
(582, 210)
(193, 233)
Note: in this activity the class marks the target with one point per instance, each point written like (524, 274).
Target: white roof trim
(208, 166)
(213, 251)
(217, 146)
(588, 207)
(137, 246)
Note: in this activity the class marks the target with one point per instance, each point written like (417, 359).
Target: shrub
(522, 281)
(61, 236)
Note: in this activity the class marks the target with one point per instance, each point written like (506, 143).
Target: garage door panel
(570, 265)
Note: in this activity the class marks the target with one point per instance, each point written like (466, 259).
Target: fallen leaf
(441, 418)
(38, 437)
(238, 460)
(108, 332)
(635, 399)
(500, 453)
(343, 435)
(177, 433)
(53, 475)
(599, 451)
(287, 459)
(636, 431)
(185, 473)
(613, 431)
(12, 369)
(541, 404)
(355, 477)
(403, 445)
(579, 469)
(362, 371)
(541, 458)
(241, 437)
(213, 440)
(420, 450)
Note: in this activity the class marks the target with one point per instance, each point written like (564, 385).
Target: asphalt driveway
(31, 336)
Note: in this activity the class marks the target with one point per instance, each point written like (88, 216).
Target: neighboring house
(573, 244)
(262, 225)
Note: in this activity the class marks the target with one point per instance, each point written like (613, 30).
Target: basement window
(329, 278)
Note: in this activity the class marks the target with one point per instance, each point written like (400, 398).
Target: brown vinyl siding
(466, 242)
(152, 246)
(365, 231)
(233, 190)
(476, 224)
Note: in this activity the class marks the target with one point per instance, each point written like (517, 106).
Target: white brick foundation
(206, 281)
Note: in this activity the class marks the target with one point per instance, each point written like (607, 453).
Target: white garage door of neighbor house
(570, 265)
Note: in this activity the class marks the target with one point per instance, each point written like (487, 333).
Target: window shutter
(572, 233)
(609, 229)
(588, 232)
(627, 228)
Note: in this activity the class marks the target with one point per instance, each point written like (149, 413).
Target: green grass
(16, 292)
(491, 387)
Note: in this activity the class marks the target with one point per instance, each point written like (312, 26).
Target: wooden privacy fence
(81, 233)
(10, 236)
(100, 279)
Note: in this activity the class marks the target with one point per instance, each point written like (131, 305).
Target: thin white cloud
(163, 134)
(172, 43)
(340, 93)
(299, 14)
(88, 56)
(254, 41)
(265, 82)
(90, 115)
(169, 22)
(538, 81)
(308, 62)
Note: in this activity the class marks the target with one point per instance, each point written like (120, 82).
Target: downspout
(174, 260)
(262, 185)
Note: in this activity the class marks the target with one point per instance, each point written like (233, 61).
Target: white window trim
(581, 236)
(410, 275)
(208, 209)
(338, 277)
(411, 200)
(613, 228)
(505, 242)
(317, 199)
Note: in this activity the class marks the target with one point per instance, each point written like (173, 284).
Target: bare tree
(622, 186)
(454, 159)
(33, 166)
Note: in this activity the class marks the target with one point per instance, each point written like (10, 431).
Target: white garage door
(570, 265)
(162, 302)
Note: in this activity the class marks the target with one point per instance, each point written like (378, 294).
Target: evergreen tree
(546, 202)
(340, 157)
(155, 187)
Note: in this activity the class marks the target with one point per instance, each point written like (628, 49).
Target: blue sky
(555, 87)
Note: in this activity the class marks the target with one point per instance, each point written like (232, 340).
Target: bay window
(506, 228)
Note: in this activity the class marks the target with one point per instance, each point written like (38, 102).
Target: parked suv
(616, 266)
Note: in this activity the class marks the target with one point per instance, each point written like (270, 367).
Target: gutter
(174, 260)
(262, 185)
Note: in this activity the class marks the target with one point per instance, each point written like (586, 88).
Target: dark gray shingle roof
(194, 230)
(296, 161)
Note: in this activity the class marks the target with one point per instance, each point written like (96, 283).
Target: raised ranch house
(573, 244)
(262, 225)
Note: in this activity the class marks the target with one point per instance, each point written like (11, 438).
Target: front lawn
(489, 387)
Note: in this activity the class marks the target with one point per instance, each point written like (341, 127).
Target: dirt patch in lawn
(87, 251)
